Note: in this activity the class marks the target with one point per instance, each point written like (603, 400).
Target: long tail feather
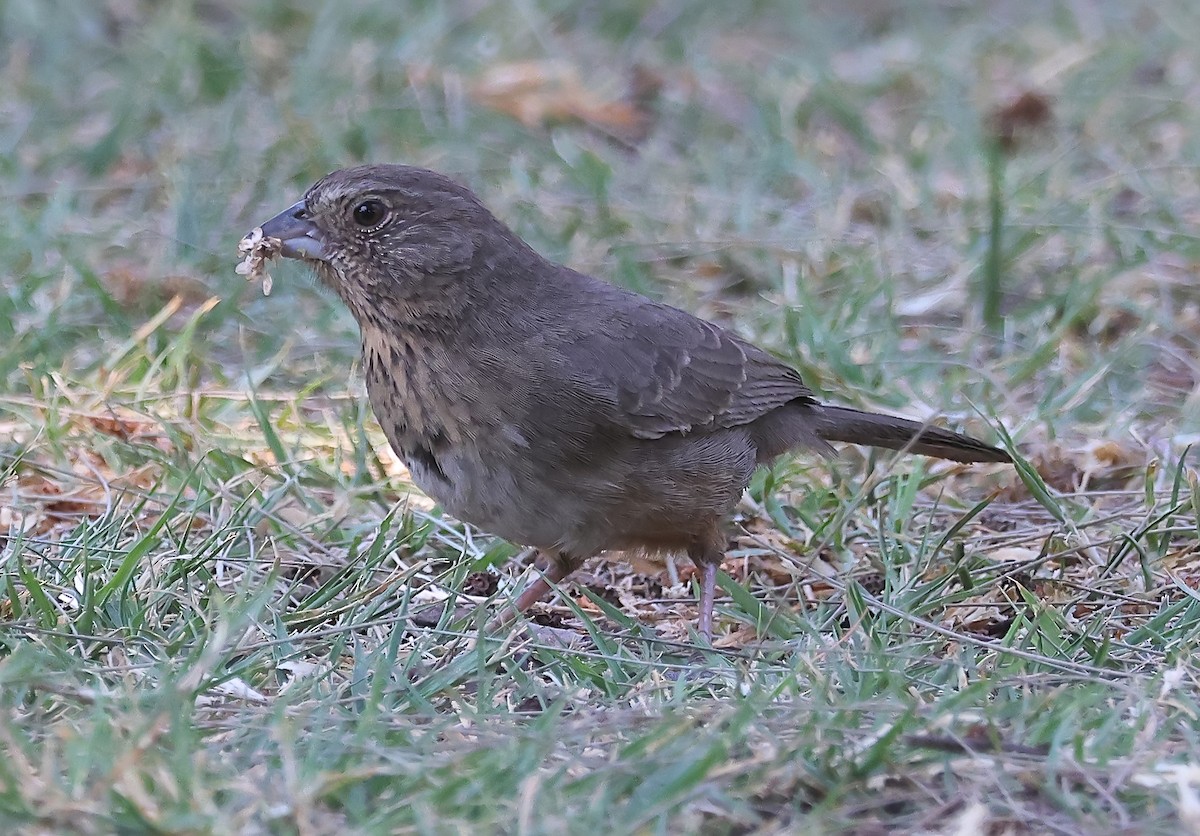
(839, 423)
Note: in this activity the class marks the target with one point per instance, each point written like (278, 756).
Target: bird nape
(546, 406)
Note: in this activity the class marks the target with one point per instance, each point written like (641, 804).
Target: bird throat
(389, 302)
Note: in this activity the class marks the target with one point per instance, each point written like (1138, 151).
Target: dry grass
(224, 610)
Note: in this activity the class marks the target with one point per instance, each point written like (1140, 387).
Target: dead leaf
(1100, 464)
(1017, 121)
(541, 93)
(132, 285)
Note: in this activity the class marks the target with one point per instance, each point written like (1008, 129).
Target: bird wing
(660, 370)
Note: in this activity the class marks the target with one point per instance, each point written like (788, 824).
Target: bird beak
(300, 236)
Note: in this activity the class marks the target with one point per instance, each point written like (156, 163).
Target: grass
(225, 610)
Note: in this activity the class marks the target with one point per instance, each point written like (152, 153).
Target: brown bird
(546, 406)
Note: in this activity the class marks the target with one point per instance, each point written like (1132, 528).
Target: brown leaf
(541, 93)
(1013, 123)
(742, 636)
(132, 284)
(1099, 464)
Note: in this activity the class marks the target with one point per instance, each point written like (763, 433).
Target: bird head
(397, 243)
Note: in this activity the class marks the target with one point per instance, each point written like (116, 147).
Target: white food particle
(257, 250)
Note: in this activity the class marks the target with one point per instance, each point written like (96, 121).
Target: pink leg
(540, 588)
(708, 594)
(557, 571)
(707, 554)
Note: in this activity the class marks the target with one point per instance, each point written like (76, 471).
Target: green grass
(224, 609)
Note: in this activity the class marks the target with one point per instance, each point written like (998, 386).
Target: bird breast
(460, 448)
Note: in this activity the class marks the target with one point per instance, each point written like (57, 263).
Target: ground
(225, 609)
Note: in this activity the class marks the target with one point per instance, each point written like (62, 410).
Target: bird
(548, 407)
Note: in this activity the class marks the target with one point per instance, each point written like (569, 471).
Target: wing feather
(661, 370)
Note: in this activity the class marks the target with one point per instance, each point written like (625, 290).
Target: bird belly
(493, 499)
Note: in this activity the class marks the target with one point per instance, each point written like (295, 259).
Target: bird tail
(840, 423)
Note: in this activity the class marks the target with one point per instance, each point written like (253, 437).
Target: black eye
(369, 213)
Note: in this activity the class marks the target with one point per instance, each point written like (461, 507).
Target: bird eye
(369, 213)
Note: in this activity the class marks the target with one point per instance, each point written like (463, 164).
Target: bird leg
(558, 567)
(541, 586)
(708, 593)
(707, 555)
